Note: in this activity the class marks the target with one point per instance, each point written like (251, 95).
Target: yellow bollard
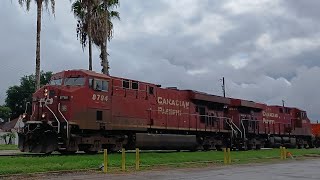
(225, 156)
(123, 159)
(229, 156)
(137, 159)
(105, 161)
(284, 153)
(281, 153)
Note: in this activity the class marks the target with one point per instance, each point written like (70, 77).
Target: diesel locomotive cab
(48, 127)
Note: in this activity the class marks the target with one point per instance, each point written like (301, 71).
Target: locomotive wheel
(206, 147)
(90, 152)
(67, 152)
(258, 146)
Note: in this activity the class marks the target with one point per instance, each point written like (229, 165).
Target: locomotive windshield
(56, 82)
(74, 81)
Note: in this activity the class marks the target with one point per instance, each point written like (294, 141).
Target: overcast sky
(268, 50)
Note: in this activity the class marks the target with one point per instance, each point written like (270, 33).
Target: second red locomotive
(86, 111)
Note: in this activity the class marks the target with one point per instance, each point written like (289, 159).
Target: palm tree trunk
(90, 53)
(104, 58)
(90, 36)
(37, 77)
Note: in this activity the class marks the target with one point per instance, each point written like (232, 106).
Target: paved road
(292, 170)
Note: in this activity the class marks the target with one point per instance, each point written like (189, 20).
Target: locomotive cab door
(99, 105)
(152, 111)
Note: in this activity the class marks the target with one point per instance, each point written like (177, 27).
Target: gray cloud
(267, 50)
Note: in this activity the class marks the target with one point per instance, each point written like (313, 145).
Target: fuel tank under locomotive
(166, 141)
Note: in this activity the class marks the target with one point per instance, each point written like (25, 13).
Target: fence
(227, 159)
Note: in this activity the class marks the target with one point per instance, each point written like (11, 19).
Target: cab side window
(100, 85)
(105, 85)
(126, 84)
(151, 90)
(91, 83)
(135, 85)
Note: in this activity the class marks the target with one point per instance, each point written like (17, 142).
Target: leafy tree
(39, 4)
(19, 95)
(5, 112)
(97, 22)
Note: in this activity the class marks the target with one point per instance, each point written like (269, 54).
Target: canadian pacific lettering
(172, 112)
(172, 102)
(171, 107)
(267, 115)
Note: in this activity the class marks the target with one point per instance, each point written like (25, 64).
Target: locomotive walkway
(289, 170)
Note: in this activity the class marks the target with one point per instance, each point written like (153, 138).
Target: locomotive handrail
(64, 120)
(244, 130)
(252, 120)
(54, 116)
(237, 128)
(231, 122)
(209, 116)
(192, 114)
(232, 129)
(25, 111)
(34, 109)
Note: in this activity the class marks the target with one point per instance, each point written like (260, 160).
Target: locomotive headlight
(24, 115)
(43, 116)
(46, 92)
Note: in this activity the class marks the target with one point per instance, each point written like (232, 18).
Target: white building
(12, 126)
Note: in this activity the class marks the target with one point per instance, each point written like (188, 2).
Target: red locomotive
(82, 110)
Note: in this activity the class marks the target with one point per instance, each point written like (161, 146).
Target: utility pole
(283, 103)
(223, 87)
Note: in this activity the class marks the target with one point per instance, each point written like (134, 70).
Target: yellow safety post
(137, 159)
(229, 156)
(281, 153)
(284, 153)
(225, 156)
(105, 161)
(123, 159)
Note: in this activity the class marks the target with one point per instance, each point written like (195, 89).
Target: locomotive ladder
(236, 134)
(235, 130)
(58, 121)
(54, 117)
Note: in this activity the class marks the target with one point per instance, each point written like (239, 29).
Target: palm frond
(26, 3)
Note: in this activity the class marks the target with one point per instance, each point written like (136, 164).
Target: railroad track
(20, 154)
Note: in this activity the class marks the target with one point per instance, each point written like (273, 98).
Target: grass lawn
(8, 147)
(31, 164)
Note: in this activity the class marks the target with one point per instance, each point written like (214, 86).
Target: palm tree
(82, 10)
(39, 4)
(102, 28)
(95, 24)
